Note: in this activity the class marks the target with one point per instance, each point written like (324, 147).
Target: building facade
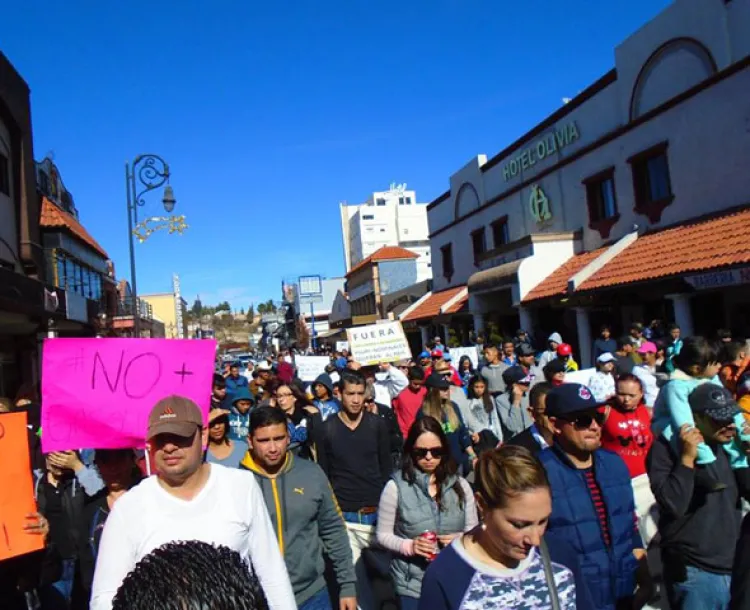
(628, 203)
(387, 270)
(387, 218)
(320, 311)
(77, 267)
(170, 309)
(23, 315)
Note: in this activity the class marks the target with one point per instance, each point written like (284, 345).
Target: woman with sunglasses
(423, 508)
(506, 562)
(438, 404)
(222, 449)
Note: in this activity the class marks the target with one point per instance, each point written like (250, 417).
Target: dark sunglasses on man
(582, 421)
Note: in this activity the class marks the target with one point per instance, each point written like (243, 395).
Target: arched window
(467, 199)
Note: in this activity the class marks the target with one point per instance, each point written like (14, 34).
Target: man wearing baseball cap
(593, 509)
(188, 500)
(699, 519)
(526, 359)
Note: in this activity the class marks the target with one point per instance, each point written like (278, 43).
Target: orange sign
(16, 488)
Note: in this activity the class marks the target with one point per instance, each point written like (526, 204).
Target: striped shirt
(598, 500)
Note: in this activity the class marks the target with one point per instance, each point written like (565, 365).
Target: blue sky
(271, 113)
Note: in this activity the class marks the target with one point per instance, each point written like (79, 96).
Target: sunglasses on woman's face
(421, 452)
(583, 421)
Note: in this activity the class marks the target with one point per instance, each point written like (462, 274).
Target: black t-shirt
(357, 462)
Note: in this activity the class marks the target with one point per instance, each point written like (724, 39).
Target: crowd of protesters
(495, 482)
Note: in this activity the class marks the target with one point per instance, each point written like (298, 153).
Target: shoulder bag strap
(548, 575)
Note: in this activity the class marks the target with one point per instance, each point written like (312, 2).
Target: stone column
(584, 336)
(683, 315)
(446, 333)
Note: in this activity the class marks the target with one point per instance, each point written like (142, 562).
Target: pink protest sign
(97, 393)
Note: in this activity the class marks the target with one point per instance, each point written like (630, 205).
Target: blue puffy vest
(609, 571)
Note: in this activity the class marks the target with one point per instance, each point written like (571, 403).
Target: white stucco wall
(8, 233)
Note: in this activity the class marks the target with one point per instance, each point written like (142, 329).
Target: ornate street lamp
(147, 172)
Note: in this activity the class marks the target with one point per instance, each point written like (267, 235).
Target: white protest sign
(342, 345)
(457, 352)
(583, 376)
(309, 367)
(377, 343)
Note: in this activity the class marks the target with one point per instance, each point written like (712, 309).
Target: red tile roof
(53, 217)
(556, 284)
(431, 306)
(698, 246)
(386, 253)
(459, 305)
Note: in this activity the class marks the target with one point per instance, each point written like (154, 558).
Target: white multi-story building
(387, 218)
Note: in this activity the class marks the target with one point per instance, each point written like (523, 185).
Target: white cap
(606, 357)
(263, 366)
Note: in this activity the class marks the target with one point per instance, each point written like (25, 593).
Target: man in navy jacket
(593, 509)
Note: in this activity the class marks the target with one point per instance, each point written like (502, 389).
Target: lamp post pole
(147, 172)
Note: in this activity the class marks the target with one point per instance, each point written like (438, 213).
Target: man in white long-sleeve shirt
(188, 500)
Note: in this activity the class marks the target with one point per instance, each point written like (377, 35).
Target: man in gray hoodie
(303, 510)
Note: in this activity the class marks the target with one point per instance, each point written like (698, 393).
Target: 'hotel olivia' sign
(561, 137)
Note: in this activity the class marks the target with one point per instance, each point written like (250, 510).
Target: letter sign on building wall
(562, 136)
(539, 204)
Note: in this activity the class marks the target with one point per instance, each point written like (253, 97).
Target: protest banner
(309, 367)
(342, 345)
(377, 343)
(16, 488)
(457, 352)
(97, 393)
(583, 376)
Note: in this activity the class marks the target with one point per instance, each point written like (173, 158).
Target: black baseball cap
(554, 366)
(569, 398)
(436, 380)
(515, 374)
(524, 349)
(715, 401)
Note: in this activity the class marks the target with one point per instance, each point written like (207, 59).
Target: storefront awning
(436, 303)
(720, 242)
(556, 284)
(698, 246)
(495, 277)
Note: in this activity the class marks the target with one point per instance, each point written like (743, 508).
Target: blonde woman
(504, 563)
(438, 405)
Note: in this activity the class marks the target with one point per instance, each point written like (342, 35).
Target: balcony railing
(125, 308)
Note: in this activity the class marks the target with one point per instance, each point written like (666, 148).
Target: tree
(197, 308)
(251, 313)
(242, 311)
(262, 308)
(224, 306)
(270, 307)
